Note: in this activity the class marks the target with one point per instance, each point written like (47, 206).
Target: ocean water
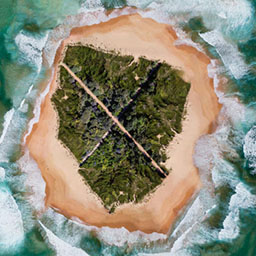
(222, 218)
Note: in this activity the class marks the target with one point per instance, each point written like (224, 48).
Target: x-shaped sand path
(115, 120)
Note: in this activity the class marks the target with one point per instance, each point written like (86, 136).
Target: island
(147, 99)
(117, 130)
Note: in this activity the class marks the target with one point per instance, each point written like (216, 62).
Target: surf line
(122, 128)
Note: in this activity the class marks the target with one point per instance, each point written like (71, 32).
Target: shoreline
(65, 190)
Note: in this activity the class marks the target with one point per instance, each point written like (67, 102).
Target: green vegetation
(82, 121)
(156, 115)
(118, 172)
(148, 97)
(114, 79)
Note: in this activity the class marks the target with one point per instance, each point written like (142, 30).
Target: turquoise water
(221, 220)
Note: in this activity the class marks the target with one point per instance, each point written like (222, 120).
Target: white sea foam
(190, 230)
(158, 14)
(24, 107)
(232, 108)
(72, 231)
(121, 236)
(214, 170)
(190, 220)
(12, 134)
(184, 40)
(213, 72)
(7, 120)
(249, 148)
(61, 248)
(241, 199)
(11, 225)
(34, 182)
(2, 174)
(228, 52)
(224, 174)
(31, 47)
(37, 110)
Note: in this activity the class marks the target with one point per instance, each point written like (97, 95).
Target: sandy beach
(65, 188)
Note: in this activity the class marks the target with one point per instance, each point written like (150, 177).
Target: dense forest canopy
(148, 98)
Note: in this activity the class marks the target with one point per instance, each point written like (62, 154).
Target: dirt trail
(112, 117)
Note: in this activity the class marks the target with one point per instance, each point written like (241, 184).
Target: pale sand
(65, 189)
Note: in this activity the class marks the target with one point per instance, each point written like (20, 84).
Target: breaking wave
(34, 183)
(228, 52)
(241, 199)
(73, 231)
(61, 248)
(249, 149)
(11, 225)
(31, 49)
